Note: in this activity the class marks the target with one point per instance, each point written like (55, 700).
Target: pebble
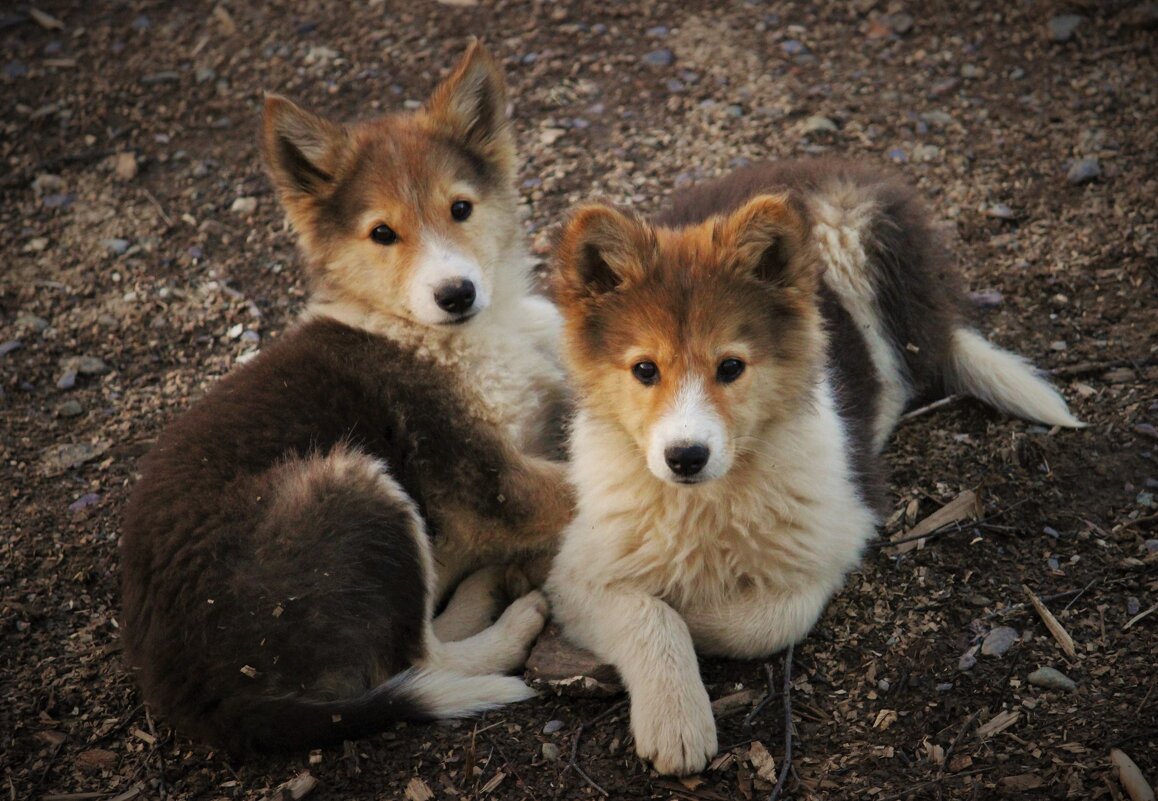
(57, 201)
(988, 299)
(84, 501)
(141, 23)
(1052, 679)
(1058, 345)
(125, 166)
(85, 365)
(970, 71)
(1083, 171)
(1133, 606)
(26, 320)
(36, 245)
(793, 47)
(944, 687)
(659, 58)
(9, 346)
(943, 87)
(15, 69)
(897, 154)
(552, 726)
(550, 752)
(164, 76)
(47, 184)
(735, 110)
(66, 381)
(204, 74)
(998, 641)
(901, 23)
(926, 152)
(1051, 532)
(818, 124)
(70, 408)
(1151, 546)
(250, 337)
(116, 246)
(674, 85)
(244, 205)
(1146, 430)
(938, 118)
(1062, 27)
(658, 32)
(967, 661)
(1000, 211)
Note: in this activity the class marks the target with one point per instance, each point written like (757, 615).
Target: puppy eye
(461, 209)
(384, 235)
(729, 370)
(645, 373)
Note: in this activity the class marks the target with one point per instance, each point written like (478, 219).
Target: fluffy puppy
(738, 365)
(292, 532)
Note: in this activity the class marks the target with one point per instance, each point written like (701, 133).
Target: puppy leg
(648, 642)
(473, 606)
(500, 648)
(758, 623)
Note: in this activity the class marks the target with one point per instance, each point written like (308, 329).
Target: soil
(128, 137)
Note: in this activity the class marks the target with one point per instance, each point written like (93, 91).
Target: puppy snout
(455, 297)
(686, 459)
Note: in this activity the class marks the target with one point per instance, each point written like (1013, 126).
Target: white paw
(519, 625)
(676, 733)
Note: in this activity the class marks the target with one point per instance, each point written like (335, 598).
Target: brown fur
(273, 571)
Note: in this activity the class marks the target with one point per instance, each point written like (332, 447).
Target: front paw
(676, 732)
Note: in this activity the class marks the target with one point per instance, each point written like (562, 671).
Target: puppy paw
(677, 734)
(518, 626)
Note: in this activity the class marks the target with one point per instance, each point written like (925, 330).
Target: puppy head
(693, 341)
(412, 215)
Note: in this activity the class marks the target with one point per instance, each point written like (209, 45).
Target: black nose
(455, 296)
(686, 460)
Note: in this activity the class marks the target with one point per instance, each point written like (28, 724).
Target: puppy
(739, 365)
(292, 533)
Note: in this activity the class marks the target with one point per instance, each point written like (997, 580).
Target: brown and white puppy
(292, 533)
(738, 366)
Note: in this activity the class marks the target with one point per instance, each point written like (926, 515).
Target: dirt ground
(144, 254)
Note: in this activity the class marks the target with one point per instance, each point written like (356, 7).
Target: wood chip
(966, 506)
(1055, 628)
(1133, 782)
(494, 782)
(46, 21)
(418, 790)
(296, 788)
(1022, 781)
(1139, 616)
(762, 761)
(225, 19)
(998, 723)
(730, 703)
(144, 736)
(884, 719)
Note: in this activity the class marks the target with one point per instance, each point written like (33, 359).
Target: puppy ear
(302, 151)
(471, 107)
(599, 249)
(767, 239)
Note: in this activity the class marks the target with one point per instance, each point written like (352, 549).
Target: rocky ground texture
(144, 255)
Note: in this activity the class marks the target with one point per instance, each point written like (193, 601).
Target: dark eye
(645, 373)
(729, 370)
(461, 209)
(384, 235)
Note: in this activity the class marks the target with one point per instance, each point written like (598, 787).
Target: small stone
(204, 74)
(550, 752)
(901, 23)
(116, 246)
(938, 118)
(37, 244)
(31, 322)
(998, 641)
(85, 365)
(897, 154)
(1145, 498)
(1151, 546)
(1053, 564)
(66, 381)
(1146, 430)
(943, 87)
(967, 661)
(944, 687)
(987, 299)
(1061, 28)
(1052, 679)
(552, 726)
(15, 69)
(658, 32)
(1051, 532)
(818, 124)
(70, 408)
(84, 501)
(1058, 345)
(970, 71)
(1016, 74)
(1084, 171)
(250, 337)
(735, 110)
(141, 23)
(244, 205)
(1000, 211)
(659, 58)
(926, 152)
(674, 85)
(549, 136)
(47, 184)
(1133, 606)
(793, 47)
(125, 166)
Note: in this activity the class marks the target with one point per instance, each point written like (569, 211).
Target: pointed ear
(471, 107)
(302, 151)
(766, 237)
(598, 250)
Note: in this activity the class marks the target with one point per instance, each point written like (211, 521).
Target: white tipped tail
(448, 694)
(1004, 380)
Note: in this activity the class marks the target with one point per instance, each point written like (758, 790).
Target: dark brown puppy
(291, 533)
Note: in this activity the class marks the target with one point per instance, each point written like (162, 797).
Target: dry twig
(779, 788)
(1055, 628)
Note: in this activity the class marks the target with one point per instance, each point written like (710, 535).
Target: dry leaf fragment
(691, 782)
(998, 723)
(966, 506)
(250, 671)
(762, 761)
(933, 752)
(1133, 782)
(418, 790)
(1055, 628)
(884, 719)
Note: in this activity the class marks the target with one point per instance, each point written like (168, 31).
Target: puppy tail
(1004, 380)
(289, 723)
